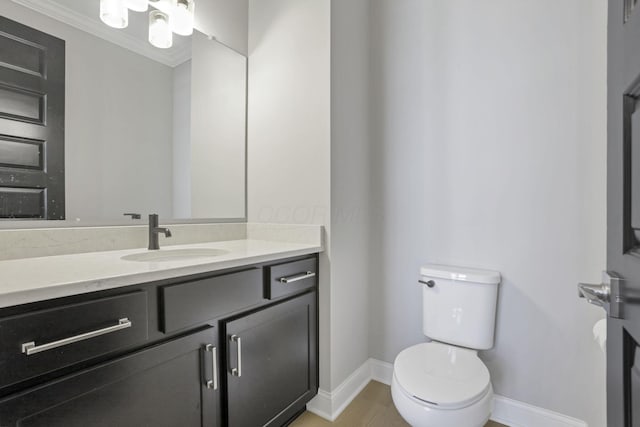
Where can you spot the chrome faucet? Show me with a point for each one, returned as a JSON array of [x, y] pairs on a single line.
[[154, 230]]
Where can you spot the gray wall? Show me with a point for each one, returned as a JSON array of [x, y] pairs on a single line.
[[298, 172], [351, 236], [218, 130], [450, 142], [182, 141], [489, 145], [289, 127], [226, 20]]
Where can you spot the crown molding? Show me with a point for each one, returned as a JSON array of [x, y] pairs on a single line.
[[95, 27]]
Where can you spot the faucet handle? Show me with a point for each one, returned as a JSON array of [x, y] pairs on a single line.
[[132, 215]]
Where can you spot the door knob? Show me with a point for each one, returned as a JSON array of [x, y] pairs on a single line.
[[594, 294], [605, 294]]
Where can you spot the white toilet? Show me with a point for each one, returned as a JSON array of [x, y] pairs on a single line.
[[443, 383]]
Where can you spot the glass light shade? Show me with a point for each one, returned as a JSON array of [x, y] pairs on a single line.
[[137, 5], [182, 17], [160, 34], [114, 13]]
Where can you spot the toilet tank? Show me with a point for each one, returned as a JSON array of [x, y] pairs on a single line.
[[459, 305]]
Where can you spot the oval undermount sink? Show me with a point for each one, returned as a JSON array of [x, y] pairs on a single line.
[[165, 255]]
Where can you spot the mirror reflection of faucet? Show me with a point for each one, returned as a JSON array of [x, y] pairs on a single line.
[[154, 230]]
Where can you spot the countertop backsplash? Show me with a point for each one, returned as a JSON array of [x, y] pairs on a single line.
[[30, 243]]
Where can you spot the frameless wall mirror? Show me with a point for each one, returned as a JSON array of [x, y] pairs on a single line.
[[145, 129]]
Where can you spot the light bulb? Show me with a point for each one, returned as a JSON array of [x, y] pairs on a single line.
[[182, 17], [160, 34], [137, 5], [114, 13]]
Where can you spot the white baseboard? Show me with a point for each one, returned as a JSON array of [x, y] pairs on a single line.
[[321, 406], [519, 414], [381, 371], [329, 405]]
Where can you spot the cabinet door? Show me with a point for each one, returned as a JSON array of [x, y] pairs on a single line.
[[272, 369], [165, 385]]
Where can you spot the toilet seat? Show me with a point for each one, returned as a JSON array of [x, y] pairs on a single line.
[[442, 376]]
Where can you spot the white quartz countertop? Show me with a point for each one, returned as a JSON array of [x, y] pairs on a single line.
[[37, 279]]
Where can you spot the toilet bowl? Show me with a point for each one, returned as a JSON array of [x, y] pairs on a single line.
[[443, 383], [437, 385]]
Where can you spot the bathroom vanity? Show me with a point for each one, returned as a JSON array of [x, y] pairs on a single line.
[[227, 343], [221, 328]]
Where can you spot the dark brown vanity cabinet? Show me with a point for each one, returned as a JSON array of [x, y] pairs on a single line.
[[37, 342], [271, 363], [164, 385], [233, 348]]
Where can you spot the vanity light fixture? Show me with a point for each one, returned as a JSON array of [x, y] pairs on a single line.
[[168, 17], [160, 34], [114, 13], [183, 15]]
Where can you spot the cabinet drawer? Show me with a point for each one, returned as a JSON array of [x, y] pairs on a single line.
[[291, 277], [191, 303], [160, 386], [35, 343]]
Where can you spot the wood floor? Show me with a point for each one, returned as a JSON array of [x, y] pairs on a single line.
[[373, 407]]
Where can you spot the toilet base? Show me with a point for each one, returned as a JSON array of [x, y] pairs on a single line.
[[420, 414]]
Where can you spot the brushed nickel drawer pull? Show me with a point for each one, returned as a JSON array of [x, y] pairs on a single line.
[[237, 372], [297, 277], [213, 383], [31, 348]]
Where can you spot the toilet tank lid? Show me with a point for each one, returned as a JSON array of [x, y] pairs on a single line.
[[462, 274]]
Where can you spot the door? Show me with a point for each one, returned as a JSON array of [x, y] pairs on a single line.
[[32, 85], [272, 363], [168, 385], [623, 214]]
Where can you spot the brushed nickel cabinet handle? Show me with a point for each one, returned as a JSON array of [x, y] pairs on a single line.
[[297, 277], [213, 383], [30, 348], [237, 372]]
